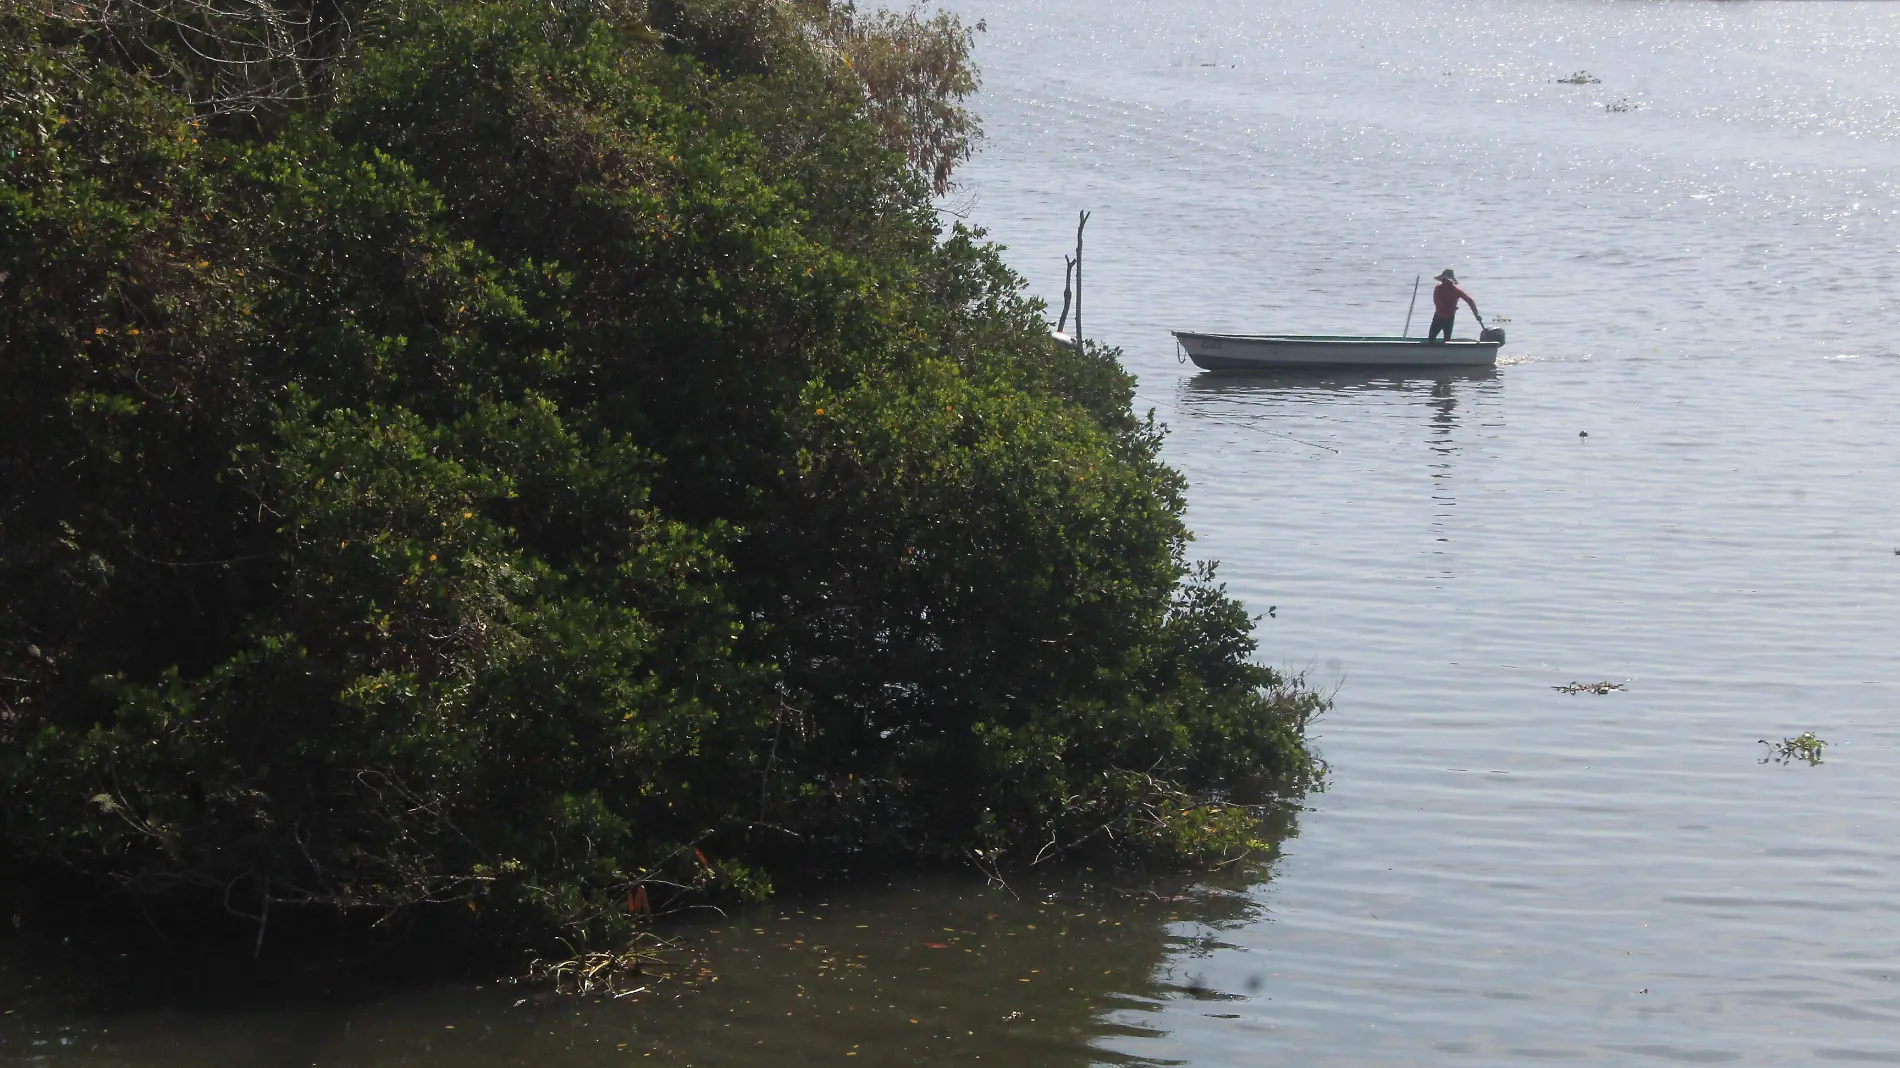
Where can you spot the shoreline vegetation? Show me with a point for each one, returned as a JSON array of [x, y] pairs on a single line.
[[485, 472]]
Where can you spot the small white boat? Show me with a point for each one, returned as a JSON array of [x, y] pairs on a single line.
[[1248, 352]]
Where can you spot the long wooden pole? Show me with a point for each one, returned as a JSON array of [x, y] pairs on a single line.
[[1082, 220], [1412, 306], [1068, 272]]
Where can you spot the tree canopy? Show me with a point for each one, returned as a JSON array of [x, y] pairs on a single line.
[[494, 457]]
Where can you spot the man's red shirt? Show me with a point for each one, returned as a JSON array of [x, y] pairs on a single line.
[[1446, 297]]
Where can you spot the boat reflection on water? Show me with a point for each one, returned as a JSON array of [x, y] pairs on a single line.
[[1305, 406], [1232, 396], [1332, 412], [1215, 384]]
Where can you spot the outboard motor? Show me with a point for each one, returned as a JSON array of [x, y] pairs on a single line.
[[1492, 333]]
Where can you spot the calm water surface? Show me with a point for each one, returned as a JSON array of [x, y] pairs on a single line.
[[1700, 260]]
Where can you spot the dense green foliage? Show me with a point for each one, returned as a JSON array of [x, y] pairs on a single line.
[[557, 449]]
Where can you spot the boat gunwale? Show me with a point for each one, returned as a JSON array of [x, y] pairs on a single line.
[[1334, 339]]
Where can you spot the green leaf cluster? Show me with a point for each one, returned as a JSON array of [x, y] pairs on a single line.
[[565, 457]]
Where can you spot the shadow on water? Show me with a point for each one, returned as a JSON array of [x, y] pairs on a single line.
[[922, 971]]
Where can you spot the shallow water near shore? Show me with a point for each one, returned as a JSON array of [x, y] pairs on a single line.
[[1684, 478], [917, 971]]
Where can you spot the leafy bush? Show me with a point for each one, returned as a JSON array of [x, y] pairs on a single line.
[[559, 454]]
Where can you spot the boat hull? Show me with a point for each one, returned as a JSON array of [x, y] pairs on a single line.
[[1255, 352]]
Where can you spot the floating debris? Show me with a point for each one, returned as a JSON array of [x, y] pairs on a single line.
[[1805, 747], [1589, 687], [1622, 104], [601, 973], [1582, 77]]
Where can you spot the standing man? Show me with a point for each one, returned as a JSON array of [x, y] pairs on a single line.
[[1445, 300]]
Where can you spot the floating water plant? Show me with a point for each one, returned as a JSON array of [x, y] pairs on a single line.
[[1589, 687], [1622, 104], [1582, 77], [1805, 747]]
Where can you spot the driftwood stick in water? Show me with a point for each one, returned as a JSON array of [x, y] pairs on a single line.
[[1083, 220]]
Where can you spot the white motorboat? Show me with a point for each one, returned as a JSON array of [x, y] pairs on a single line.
[[1249, 352]]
